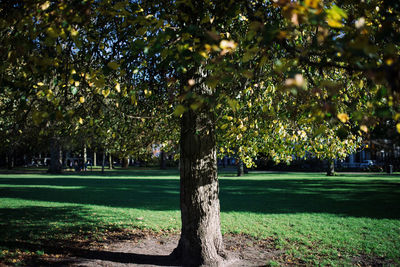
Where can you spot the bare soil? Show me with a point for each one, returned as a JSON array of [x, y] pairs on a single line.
[[142, 248], [137, 247]]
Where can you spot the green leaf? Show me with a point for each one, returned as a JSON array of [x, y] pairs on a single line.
[[179, 110], [113, 65], [74, 90]]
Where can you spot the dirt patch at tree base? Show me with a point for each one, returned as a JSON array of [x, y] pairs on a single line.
[[152, 249], [135, 247]]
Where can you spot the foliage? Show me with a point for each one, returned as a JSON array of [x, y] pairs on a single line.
[[286, 77]]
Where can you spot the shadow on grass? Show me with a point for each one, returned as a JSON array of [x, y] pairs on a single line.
[[359, 198], [61, 230], [78, 255], [43, 223]]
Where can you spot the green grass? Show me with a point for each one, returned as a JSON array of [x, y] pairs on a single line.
[[315, 219]]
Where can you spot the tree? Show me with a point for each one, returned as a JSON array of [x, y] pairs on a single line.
[[278, 72]]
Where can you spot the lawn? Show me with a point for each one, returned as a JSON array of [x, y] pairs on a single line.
[[314, 219]]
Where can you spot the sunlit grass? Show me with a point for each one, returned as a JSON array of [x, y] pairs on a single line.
[[315, 219]]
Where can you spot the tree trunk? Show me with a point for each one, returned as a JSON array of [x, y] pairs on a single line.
[[331, 168], [103, 162], [163, 164], [84, 154], [94, 158], [110, 165], [201, 239], [125, 162], [55, 160], [10, 160], [240, 168]]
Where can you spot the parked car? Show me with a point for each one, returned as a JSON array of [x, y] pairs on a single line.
[[366, 164]]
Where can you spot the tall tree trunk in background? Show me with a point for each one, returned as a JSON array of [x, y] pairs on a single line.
[[163, 165], [65, 162], [240, 168], [103, 162], [84, 154], [110, 165], [201, 239], [94, 158], [55, 160], [60, 152], [10, 159], [331, 168], [125, 162]]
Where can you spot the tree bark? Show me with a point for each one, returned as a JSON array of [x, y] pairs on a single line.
[[84, 154], [331, 168], [246, 170], [201, 239], [110, 165], [55, 160], [163, 164], [103, 162], [125, 162], [240, 168], [10, 160], [94, 158]]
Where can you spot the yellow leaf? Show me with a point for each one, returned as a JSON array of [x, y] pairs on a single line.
[[45, 5], [398, 127], [118, 87], [227, 45], [147, 92], [343, 117], [203, 54], [74, 32], [334, 23], [80, 120], [389, 61], [105, 93], [364, 128], [334, 16], [82, 99], [312, 3]]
